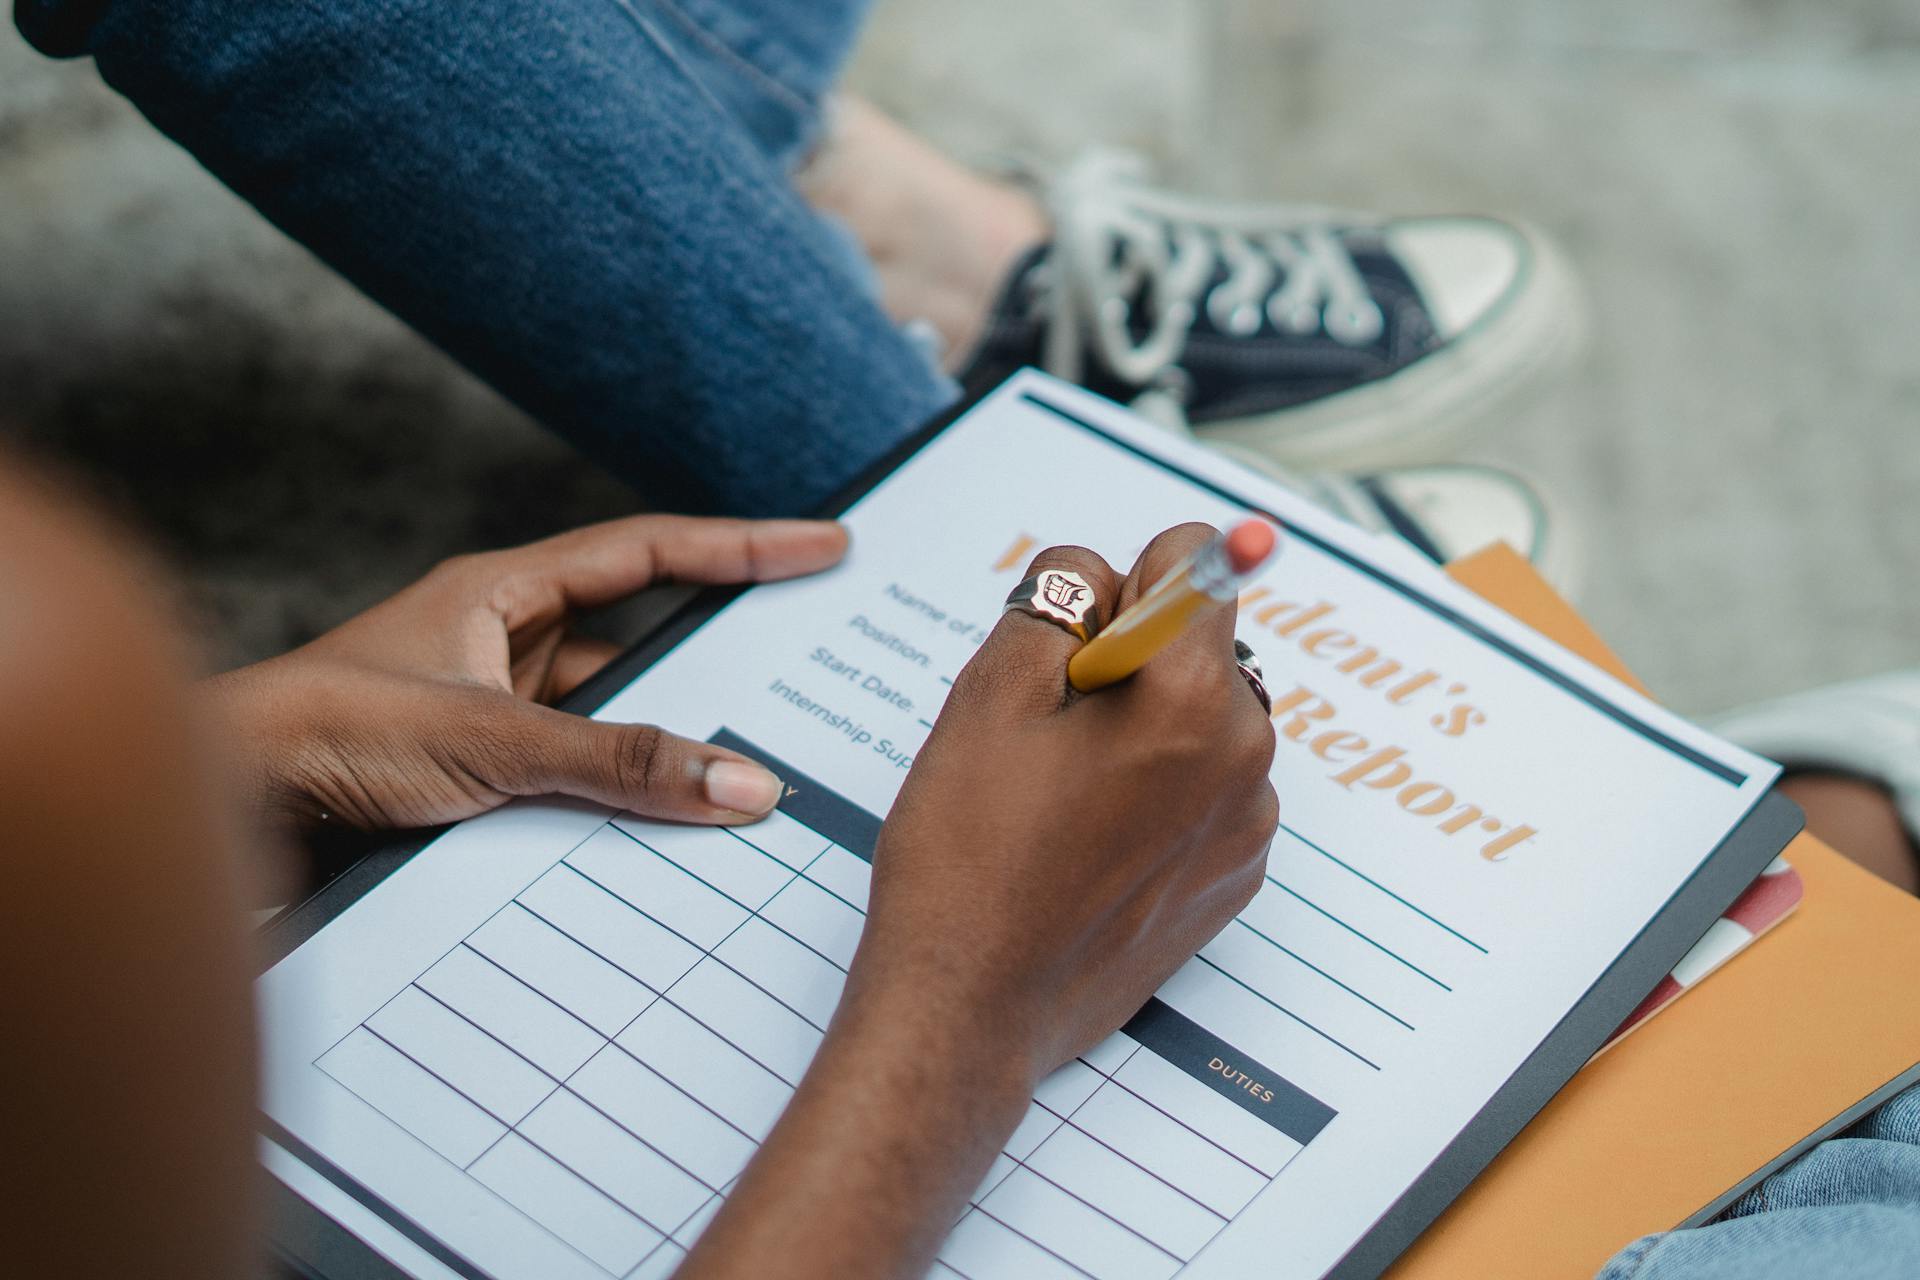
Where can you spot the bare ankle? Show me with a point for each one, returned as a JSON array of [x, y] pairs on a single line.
[[1859, 819], [942, 238]]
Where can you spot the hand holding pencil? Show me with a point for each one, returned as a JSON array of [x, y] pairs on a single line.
[[1212, 576], [1077, 848], [1050, 861], [1207, 579]]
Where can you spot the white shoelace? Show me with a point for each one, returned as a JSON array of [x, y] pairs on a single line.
[[1117, 240]]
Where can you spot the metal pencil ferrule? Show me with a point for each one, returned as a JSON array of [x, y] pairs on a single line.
[[1212, 574]]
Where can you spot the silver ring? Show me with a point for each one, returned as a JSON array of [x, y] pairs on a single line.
[[1061, 596], [1243, 658]]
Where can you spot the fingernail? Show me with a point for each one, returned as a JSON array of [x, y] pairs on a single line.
[[742, 787]]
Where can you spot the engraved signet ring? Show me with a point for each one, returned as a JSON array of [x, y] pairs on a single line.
[[1060, 596]]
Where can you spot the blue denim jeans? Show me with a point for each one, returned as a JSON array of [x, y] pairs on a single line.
[[586, 202], [1850, 1207]]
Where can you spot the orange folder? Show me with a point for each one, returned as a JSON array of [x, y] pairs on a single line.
[[1814, 1017]]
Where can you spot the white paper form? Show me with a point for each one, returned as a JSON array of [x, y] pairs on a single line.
[[548, 1044]]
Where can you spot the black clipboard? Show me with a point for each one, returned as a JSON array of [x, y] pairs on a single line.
[[309, 1243]]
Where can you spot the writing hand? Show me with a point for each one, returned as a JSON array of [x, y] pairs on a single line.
[[1050, 861]]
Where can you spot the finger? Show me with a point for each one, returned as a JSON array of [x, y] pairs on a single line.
[[1023, 663], [1206, 644], [578, 659], [536, 750], [1198, 667], [606, 562], [1161, 557]]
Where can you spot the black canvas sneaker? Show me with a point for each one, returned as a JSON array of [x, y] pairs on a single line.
[[1311, 337]]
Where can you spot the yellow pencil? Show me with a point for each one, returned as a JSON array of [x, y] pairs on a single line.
[[1212, 575]]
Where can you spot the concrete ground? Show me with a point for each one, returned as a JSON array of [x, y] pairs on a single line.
[[1734, 178]]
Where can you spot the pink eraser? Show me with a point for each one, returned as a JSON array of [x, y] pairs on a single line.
[[1249, 544]]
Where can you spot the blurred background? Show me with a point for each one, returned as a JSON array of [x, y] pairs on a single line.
[[1737, 180]]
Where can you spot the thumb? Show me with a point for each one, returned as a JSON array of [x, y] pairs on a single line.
[[635, 766]]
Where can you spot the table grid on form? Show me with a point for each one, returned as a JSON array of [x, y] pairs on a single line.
[[607, 1050]]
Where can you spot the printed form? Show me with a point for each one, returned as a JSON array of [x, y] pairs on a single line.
[[547, 1045]]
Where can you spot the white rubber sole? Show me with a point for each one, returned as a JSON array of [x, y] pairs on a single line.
[[1448, 501], [1558, 552], [1427, 411], [1458, 519], [1561, 557]]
